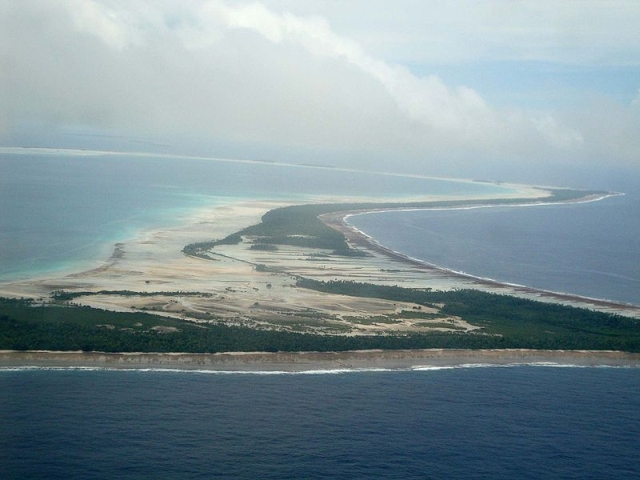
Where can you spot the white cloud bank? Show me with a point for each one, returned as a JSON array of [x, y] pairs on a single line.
[[572, 32], [245, 73]]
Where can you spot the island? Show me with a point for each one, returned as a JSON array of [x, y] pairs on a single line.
[[296, 288]]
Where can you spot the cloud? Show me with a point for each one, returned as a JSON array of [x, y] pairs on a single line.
[[574, 32], [425, 100], [96, 19], [459, 112], [243, 73]]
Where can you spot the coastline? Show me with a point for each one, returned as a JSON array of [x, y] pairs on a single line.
[[153, 257], [315, 362], [339, 221], [154, 252], [226, 286]]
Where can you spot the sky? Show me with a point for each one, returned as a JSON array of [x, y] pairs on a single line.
[[503, 89]]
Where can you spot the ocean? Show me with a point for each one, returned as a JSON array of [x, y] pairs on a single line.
[[488, 422], [66, 211], [588, 249]]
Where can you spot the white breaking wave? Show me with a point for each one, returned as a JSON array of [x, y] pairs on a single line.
[[337, 371]]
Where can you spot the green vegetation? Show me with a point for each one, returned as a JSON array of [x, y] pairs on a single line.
[[25, 326], [300, 226], [507, 322], [198, 249], [264, 246], [450, 326], [62, 296]]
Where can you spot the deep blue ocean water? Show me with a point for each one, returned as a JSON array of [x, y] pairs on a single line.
[[490, 422], [590, 249]]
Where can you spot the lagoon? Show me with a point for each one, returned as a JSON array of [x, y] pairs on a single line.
[[62, 211]]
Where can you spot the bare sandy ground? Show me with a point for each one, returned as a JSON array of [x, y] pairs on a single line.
[[233, 287]]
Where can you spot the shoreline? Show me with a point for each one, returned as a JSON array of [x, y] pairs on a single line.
[[153, 251], [228, 286], [201, 223], [109, 251], [339, 221], [316, 362]]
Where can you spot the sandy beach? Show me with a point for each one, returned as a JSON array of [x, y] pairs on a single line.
[[316, 361]]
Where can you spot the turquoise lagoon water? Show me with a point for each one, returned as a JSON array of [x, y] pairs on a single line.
[[66, 211]]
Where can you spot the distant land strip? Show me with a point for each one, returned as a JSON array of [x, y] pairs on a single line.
[[300, 362]]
